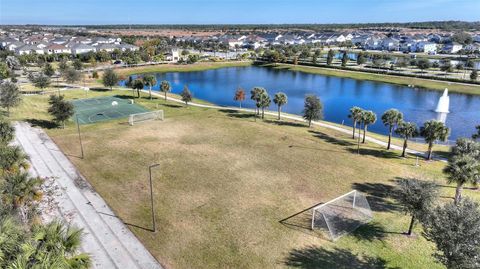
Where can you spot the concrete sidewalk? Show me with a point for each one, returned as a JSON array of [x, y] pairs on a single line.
[[106, 238]]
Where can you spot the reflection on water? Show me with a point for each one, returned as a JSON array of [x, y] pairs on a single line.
[[338, 95]]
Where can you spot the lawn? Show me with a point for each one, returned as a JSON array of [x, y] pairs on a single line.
[[232, 192]]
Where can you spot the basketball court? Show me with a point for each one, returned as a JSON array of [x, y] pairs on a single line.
[[100, 109]]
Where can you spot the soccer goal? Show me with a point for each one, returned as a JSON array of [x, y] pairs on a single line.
[[342, 215], [145, 116]]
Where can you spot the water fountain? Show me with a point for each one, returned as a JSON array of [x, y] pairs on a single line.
[[443, 107]]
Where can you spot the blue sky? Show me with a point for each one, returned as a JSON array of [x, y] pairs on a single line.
[[233, 11]]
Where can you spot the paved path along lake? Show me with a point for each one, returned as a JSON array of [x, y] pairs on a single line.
[[337, 94]]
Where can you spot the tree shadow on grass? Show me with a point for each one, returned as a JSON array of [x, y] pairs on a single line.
[[99, 89], [45, 124], [379, 153], [378, 196], [331, 139], [287, 123], [123, 96], [171, 105], [313, 257]]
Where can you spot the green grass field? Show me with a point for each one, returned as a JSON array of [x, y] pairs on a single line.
[[234, 193]]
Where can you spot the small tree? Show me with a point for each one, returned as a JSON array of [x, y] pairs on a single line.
[[7, 132], [406, 130], [62, 66], [71, 75], [9, 96], [186, 95], [239, 96], [391, 118], [455, 230], [138, 85], [330, 56], [48, 70], [423, 64], [345, 59], [477, 134], [95, 74], [361, 59], [417, 197], [165, 88], [280, 99], [150, 81], [312, 109], [110, 78], [60, 109], [356, 116], [368, 117], [463, 165], [433, 130], [77, 64], [474, 75], [40, 81]]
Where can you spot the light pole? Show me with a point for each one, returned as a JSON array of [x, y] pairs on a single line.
[[79, 135], [151, 195]]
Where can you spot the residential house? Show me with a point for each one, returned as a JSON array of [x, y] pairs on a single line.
[[427, 47], [82, 49], [452, 47], [125, 47], [390, 44], [28, 49], [57, 49]]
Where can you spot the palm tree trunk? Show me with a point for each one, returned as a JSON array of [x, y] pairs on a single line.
[[165, 96], [263, 113], [404, 147], [354, 126], [364, 132], [279, 112], [429, 155], [412, 222], [150, 92], [309, 123], [240, 104], [389, 137], [458, 193]]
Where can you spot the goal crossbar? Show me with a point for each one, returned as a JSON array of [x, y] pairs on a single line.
[[145, 116], [342, 214]]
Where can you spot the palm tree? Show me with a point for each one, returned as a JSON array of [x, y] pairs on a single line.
[[368, 117], [391, 118], [255, 95], [54, 245], [433, 130], [464, 165], [280, 99], [406, 130], [12, 159], [356, 116], [263, 101], [7, 132], [149, 81], [165, 88], [19, 191]]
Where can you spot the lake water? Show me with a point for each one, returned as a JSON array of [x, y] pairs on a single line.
[[337, 94]]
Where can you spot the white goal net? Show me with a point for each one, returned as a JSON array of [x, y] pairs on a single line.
[[342, 215], [146, 116]]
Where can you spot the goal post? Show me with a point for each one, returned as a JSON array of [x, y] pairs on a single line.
[[145, 116], [342, 215]]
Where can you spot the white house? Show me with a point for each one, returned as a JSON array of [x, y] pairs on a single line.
[[28, 49], [427, 47], [57, 49], [15, 45], [82, 49], [124, 47], [452, 48], [173, 55]]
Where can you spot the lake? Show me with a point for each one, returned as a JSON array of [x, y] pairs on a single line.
[[337, 94]]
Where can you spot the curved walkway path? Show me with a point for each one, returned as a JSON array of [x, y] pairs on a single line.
[[106, 238]]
